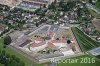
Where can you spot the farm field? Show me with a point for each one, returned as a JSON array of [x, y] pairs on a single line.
[[86, 43]]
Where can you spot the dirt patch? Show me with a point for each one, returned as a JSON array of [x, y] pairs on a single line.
[[96, 24], [10, 3]]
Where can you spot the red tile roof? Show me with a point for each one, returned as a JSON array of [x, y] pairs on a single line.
[[51, 45], [59, 41], [38, 44], [51, 34], [37, 38]]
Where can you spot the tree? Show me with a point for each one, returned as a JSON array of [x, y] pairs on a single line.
[[70, 4], [9, 60], [17, 59], [37, 24], [4, 46], [61, 3], [21, 64], [44, 6], [68, 41], [52, 6], [90, 1], [7, 40], [57, 38]]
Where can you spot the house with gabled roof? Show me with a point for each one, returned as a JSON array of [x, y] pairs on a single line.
[[35, 47], [37, 39], [3, 28]]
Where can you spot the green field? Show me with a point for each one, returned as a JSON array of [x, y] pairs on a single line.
[[94, 14], [12, 52], [97, 5], [1, 65], [91, 61], [44, 64], [86, 43]]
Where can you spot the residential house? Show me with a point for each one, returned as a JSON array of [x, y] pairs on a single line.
[[3, 28]]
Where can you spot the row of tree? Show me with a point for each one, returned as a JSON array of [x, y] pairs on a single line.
[[64, 6], [7, 40], [9, 60]]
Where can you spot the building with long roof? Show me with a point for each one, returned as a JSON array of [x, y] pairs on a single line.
[[33, 4]]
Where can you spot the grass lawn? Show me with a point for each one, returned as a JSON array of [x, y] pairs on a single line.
[[87, 1], [24, 59], [95, 62], [43, 64], [97, 4], [1, 65], [94, 14], [12, 52], [85, 42]]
